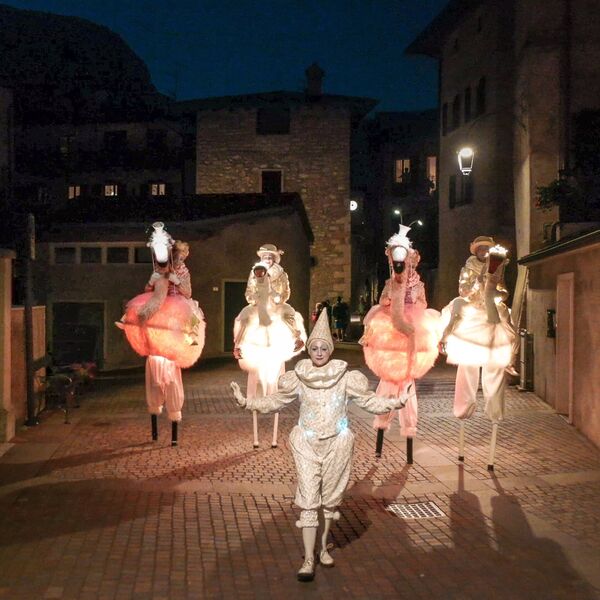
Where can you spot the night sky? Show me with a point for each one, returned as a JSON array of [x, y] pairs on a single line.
[[220, 47]]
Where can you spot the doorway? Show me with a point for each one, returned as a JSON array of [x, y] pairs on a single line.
[[565, 285], [78, 332]]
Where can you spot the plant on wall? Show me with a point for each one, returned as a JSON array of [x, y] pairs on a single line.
[[563, 191]]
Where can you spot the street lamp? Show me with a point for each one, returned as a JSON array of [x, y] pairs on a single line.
[[466, 156]]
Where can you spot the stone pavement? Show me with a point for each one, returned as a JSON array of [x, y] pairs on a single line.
[[95, 510]]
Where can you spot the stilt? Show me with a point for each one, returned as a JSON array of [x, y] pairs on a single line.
[[409, 450], [255, 428], [154, 421], [493, 447], [379, 443], [275, 429], [174, 433], [461, 442]]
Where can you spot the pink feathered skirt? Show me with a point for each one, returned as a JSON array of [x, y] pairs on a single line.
[[393, 356], [176, 331]]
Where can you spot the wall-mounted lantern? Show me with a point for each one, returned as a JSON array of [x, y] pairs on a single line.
[[466, 156]]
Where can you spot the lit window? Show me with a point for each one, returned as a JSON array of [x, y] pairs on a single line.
[[74, 191], [158, 189], [111, 189], [402, 173], [432, 171]]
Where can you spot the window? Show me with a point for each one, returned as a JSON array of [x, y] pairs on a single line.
[[273, 120], [402, 170], [456, 112], [158, 188], [142, 254], [111, 189], [466, 189], [91, 255], [66, 144], [117, 254], [271, 182], [445, 119], [115, 141], [74, 191], [452, 191], [64, 256], [432, 172], [156, 138], [480, 108], [467, 104]]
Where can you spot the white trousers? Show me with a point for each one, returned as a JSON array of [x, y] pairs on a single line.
[[323, 469], [492, 384], [164, 387]]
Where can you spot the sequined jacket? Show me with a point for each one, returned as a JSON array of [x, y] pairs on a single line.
[[324, 393], [471, 282], [279, 282]]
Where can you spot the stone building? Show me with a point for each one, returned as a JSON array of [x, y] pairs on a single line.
[[60, 164], [287, 142], [91, 261], [397, 172], [535, 128], [472, 41]]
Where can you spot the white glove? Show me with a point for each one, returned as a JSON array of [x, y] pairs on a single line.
[[154, 277], [174, 279], [237, 394]]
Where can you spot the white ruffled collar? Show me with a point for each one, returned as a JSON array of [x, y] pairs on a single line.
[[320, 377]]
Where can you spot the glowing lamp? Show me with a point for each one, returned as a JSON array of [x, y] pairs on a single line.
[[466, 156], [353, 205], [397, 211]]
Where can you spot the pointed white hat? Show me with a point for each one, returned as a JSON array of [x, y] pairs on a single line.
[[321, 331]]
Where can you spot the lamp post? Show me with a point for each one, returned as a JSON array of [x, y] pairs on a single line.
[[466, 156]]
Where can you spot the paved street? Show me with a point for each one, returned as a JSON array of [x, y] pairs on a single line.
[[94, 509]]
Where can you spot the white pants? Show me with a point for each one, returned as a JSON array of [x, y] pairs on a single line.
[[492, 384], [323, 469], [164, 387]]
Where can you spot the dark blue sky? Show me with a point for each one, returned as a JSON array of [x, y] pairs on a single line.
[[198, 48]]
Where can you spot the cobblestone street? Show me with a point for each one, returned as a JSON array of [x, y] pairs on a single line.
[[94, 509]]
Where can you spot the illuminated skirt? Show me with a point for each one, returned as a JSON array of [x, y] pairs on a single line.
[[393, 356], [476, 342], [176, 331]]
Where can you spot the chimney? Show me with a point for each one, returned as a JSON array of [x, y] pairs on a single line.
[[314, 80]]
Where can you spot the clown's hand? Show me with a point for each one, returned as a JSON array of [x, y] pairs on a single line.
[[154, 278], [237, 394], [174, 279]]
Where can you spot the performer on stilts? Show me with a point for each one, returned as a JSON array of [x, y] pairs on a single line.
[[401, 336], [479, 336], [268, 331], [321, 442], [167, 326]]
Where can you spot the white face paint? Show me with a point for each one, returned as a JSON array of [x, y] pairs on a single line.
[[319, 352], [399, 254], [267, 258]]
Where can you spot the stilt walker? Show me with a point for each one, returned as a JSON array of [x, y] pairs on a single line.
[[321, 442], [401, 337], [479, 337], [167, 326], [268, 331]]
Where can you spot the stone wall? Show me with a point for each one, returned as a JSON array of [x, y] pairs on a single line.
[[315, 162], [478, 47]]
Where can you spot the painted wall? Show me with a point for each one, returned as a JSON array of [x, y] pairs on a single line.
[[586, 365]]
